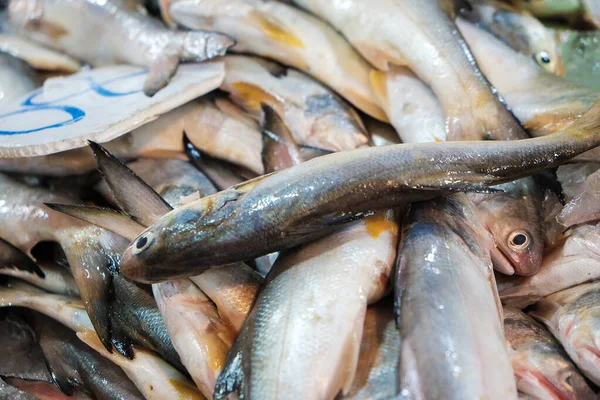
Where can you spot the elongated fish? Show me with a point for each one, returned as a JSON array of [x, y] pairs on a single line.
[[445, 278], [519, 29], [573, 316], [71, 26], [299, 340], [290, 36], [542, 367], [307, 201], [377, 370], [575, 260], [421, 35], [50, 277], [316, 116], [543, 102], [155, 378], [73, 364]]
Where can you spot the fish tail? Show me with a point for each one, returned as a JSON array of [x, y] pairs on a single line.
[[13, 258]]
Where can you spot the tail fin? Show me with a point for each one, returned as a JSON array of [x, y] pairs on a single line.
[[133, 195], [12, 257], [280, 150], [200, 45]]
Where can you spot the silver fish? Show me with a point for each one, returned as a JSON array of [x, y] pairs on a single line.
[[299, 341], [316, 116], [16, 79], [69, 26], [573, 317], [377, 370], [272, 212], [542, 368], [290, 36], [445, 278], [421, 35], [543, 102], [519, 29]]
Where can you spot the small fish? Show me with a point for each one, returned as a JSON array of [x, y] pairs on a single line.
[[575, 260], [290, 36], [50, 277], [447, 307], [155, 378], [377, 368], [543, 102], [70, 26], [316, 116], [573, 317], [290, 207], [74, 365], [583, 206], [519, 29], [422, 36], [542, 368], [513, 217], [299, 341]]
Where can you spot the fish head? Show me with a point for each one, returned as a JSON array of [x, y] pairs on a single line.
[[513, 218], [168, 247], [549, 59]]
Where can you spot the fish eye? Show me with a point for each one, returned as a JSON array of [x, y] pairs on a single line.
[[542, 58], [143, 243], [519, 240]]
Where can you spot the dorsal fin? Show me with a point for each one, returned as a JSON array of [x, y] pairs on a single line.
[[133, 195], [12, 257]]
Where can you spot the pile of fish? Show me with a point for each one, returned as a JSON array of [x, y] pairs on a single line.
[[384, 199]]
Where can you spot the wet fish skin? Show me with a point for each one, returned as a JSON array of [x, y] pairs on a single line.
[[583, 206], [297, 341], [434, 50], [573, 316], [377, 369], [442, 249], [519, 29], [316, 116], [575, 260], [542, 368], [543, 102], [73, 364], [199, 335], [513, 217], [272, 213], [68, 26], [286, 34]]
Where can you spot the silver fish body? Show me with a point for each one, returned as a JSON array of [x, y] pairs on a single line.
[[542, 368], [445, 278], [307, 201]]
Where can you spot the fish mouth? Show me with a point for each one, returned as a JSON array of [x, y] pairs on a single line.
[[501, 262]]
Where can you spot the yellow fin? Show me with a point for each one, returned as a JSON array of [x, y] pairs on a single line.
[[275, 32]]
